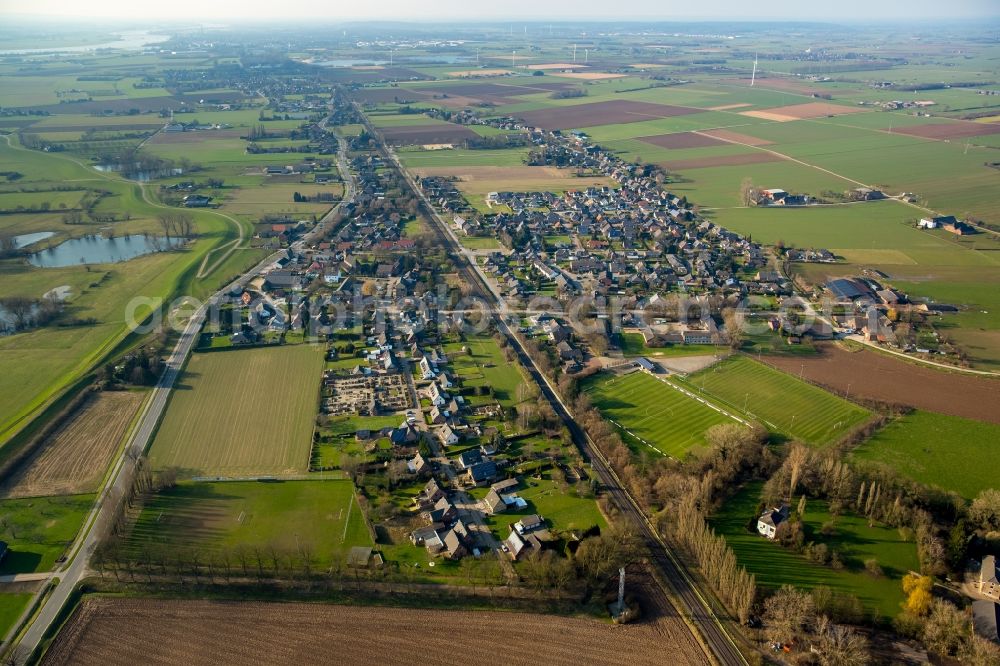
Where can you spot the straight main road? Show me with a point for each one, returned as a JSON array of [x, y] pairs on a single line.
[[695, 606], [123, 474]]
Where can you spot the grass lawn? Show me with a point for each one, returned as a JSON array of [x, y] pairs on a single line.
[[38, 530], [214, 518], [480, 242], [563, 510], [852, 538], [485, 366], [946, 451], [650, 413], [11, 607], [784, 403], [242, 412]]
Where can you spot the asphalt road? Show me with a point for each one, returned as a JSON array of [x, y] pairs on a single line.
[[123, 474], [695, 606]]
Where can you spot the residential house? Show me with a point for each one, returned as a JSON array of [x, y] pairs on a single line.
[[768, 522]]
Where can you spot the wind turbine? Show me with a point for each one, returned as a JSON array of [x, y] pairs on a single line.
[[574, 53], [753, 75]]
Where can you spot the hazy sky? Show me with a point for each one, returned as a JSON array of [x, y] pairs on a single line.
[[459, 10]]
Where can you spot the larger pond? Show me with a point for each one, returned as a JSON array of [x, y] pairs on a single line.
[[101, 250]]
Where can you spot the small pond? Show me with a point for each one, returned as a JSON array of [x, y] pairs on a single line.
[[24, 240]]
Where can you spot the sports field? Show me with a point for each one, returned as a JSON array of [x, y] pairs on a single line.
[[852, 538], [322, 517], [784, 403], [945, 451], [242, 413], [651, 413]]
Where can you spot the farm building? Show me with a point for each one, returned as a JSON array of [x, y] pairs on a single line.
[[986, 619], [768, 522], [988, 584]]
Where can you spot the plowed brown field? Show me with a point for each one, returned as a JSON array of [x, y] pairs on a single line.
[[107, 632], [421, 134], [74, 459], [876, 376]]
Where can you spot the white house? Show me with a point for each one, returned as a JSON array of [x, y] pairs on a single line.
[[447, 436], [426, 369], [927, 223], [767, 524]]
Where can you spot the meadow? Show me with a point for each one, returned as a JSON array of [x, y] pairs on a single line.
[[485, 366], [12, 604], [786, 404], [852, 538], [948, 452], [322, 518], [241, 413], [651, 414], [39, 530]]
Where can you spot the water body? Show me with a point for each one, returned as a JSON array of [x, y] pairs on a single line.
[[343, 62], [398, 60], [133, 40], [100, 250], [24, 240], [141, 176]]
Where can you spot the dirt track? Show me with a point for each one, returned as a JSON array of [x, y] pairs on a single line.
[[876, 376], [106, 632]]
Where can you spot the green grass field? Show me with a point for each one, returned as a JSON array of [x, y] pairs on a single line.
[[945, 451], [213, 518], [852, 538], [11, 607], [563, 510], [784, 403], [39, 530], [485, 366], [240, 413], [650, 413]]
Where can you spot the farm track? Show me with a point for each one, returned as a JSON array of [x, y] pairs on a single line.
[[694, 605], [107, 632], [75, 457]]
